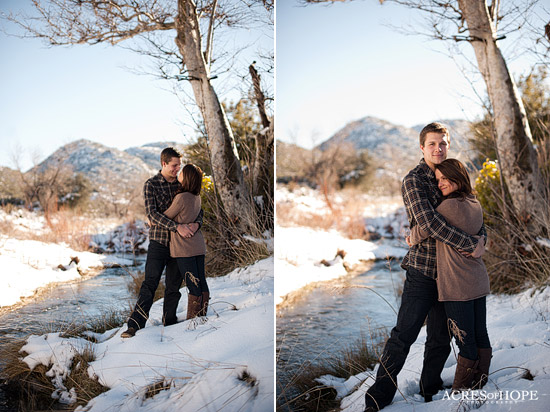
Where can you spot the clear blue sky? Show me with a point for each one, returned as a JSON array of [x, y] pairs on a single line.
[[337, 63], [54, 95]]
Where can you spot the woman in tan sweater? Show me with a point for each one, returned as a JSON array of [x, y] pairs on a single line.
[[189, 252], [462, 281]]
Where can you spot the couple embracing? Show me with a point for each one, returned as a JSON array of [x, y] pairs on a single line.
[[173, 207], [446, 281]]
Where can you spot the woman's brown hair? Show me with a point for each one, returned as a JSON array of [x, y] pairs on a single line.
[[191, 179], [455, 171]]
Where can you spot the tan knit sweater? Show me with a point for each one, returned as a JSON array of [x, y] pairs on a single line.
[[459, 278], [184, 209]]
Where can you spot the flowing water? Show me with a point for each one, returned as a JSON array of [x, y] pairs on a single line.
[[328, 319], [67, 303]]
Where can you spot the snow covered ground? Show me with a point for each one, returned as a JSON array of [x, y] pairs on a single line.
[[27, 265], [519, 377], [305, 255], [223, 363]]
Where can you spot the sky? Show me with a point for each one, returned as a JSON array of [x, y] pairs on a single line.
[[341, 62], [54, 95]]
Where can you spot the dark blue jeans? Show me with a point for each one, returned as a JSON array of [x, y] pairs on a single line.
[[471, 318], [158, 258], [192, 270], [418, 302]]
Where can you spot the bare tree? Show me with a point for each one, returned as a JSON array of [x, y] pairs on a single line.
[[263, 162], [479, 23], [70, 22], [43, 184]]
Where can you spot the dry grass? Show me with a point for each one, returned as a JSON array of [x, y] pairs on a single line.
[[63, 226], [32, 390], [228, 247], [357, 357], [157, 387], [515, 257], [346, 216], [134, 285]]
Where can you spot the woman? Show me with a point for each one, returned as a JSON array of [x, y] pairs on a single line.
[[462, 281], [189, 252]]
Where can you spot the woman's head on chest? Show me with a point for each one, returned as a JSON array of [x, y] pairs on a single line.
[[453, 180], [190, 178]]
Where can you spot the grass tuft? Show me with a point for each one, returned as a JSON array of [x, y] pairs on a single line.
[[357, 357], [247, 378], [157, 387]]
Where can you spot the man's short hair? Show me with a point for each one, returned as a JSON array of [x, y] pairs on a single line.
[[167, 154], [434, 127]]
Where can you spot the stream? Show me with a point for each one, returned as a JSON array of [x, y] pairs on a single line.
[[66, 303], [328, 319]]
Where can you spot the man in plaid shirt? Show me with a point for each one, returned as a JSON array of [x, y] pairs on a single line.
[[159, 191], [419, 299]]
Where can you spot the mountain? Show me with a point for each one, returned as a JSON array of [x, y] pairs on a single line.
[[396, 148], [102, 165], [112, 172], [150, 152]]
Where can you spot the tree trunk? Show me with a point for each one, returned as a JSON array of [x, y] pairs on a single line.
[[226, 167], [263, 163], [517, 155]]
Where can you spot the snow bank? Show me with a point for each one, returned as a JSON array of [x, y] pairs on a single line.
[[29, 264], [224, 363], [300, 252], [520, 335]]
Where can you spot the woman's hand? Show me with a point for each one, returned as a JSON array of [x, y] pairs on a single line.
[[184, 231]]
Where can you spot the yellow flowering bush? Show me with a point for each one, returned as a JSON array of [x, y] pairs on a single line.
[[487, 186], [207, 184]]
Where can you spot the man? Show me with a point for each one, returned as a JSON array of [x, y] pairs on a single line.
[[159, 191], [419, 299]]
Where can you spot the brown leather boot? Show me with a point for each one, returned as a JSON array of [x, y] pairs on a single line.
[[465, 369], [204, 303], [193, 306], [482, 373]]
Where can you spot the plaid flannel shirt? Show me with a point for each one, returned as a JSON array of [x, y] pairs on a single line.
[[158, 194], [421, 196]]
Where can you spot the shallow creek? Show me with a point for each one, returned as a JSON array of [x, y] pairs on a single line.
[[325, 320]]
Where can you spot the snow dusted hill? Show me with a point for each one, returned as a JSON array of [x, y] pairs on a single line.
[[150, 153], [99, 163], [104, 165], [396, 146]]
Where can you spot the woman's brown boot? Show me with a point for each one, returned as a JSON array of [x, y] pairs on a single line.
[[193, 306], [204, 303], [464, 374], [482, 372]]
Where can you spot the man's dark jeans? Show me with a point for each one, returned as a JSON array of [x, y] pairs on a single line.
[[419, 300], [470, 317], [158, 257]]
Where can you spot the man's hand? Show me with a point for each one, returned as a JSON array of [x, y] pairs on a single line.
[[479, 250], [185, 231], [408, 240]]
